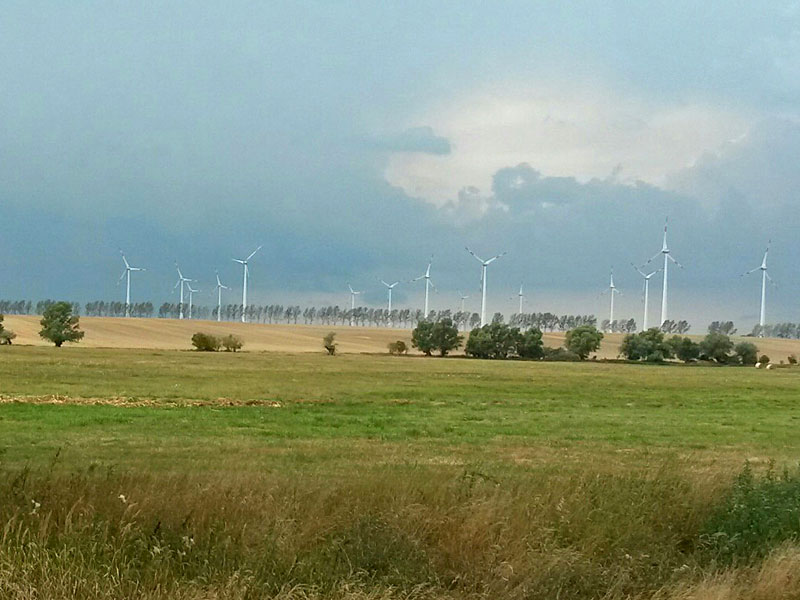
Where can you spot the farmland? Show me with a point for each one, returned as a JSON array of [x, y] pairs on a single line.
[[267, 474]]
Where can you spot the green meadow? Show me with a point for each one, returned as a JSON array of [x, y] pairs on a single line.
[[166, 474]]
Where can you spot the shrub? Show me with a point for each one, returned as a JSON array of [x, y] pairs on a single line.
[[232, 343], [746, 352], [329, 344], [648, 345], [398, 347], [205, 342], [716, 346], [792, 359], [560, 355], [59, 325], [584, 340], [684, 348], [756, 516], [764, 360]]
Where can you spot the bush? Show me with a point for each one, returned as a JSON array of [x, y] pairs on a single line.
[[757, 516], [5, 335], [792, 359], [746, 352], [764, 360], [493, 341], [59, 325], [329, 344], [716, 346], [398, 347], [205, 342], [648, 345], [560, 355], [232, 343], [684, 348], [584, 340]]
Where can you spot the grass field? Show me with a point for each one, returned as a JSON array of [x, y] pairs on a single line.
[[166, 474]]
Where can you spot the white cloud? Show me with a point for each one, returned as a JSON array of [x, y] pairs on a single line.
[[561, 130]]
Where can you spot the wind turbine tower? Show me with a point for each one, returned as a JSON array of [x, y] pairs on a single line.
[[646, 277], [192, 292], [428, 283], [521, 299], [246, 272], [484, 264], [220, 287], [390, 287], [665, 251], [127, 275], [612, 291], [764, 277], [181, 281]]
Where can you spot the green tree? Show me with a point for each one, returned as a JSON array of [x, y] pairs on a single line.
[[648, 345], [329, 344], [685, 348], [445, 336], [530, 344], [6, 335], [747, 352], [584, 340], [205, 342], [717, 347], [496, 340], [422, 337], [59, 325], [232, 343]]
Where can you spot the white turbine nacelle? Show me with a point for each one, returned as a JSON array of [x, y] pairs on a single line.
[[646, 277], [428, 284], [764, 278], [219, 288], [127, 275], [246, 272], [665, 251], [484, 264]]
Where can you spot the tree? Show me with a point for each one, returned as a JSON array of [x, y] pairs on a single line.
[[583, 340], [422, 337], [6, 335], [530, 344], [232, 343], [684, 348], [205, 342], [59, 325], [648, 345], [716, 346], [747, 352], [445, 336], [329, 344], [493, 341]]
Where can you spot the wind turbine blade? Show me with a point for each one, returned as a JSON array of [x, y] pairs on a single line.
[[121, 277], [639, 271], [655, 256], [478, 258], [253, 253], [349, 287], [241, 262], [125, 260], [417, 279], [384, 283], [669, 256], [750, 271], [494, 258]]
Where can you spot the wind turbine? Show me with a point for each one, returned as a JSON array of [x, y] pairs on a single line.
[[462, 298], [220, 287], [612, 290], [191, 293], [390, 286], [127, 274], [428, 283], [646, 277], [353, 295], [484, 264], [667, 257], [180, 282], [764, 277], [246, 271]]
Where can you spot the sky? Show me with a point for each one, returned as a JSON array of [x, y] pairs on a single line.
[[356, 140]]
